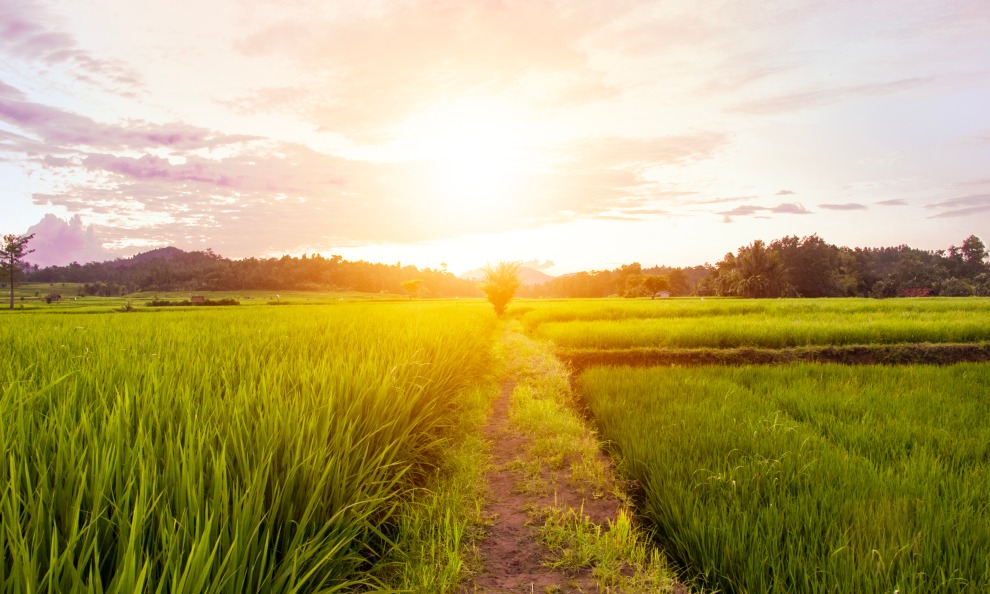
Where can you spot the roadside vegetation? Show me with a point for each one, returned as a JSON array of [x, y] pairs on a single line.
[[563, 452]]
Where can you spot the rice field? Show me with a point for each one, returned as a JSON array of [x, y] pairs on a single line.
[[772, 324], [810, 478], [231, 450], [796, 477]]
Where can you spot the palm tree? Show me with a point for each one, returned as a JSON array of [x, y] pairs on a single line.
[[760, 272]]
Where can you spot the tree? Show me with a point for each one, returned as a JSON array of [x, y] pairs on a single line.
[[412, 286], [13, 251], [500, 284], [655, 283], [760, 272]]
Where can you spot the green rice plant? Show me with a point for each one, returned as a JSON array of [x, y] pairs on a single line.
[[810, 478], [772, 330], [536, 312], [261, 450]]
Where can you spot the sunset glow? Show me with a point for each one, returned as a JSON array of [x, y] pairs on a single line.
[[473, 159], [580, 134]]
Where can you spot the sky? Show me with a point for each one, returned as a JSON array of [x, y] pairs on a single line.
[[571, 135]]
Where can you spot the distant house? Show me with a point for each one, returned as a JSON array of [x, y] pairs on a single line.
[[197, 299], [662, 294], [53, 297], [914, 292]]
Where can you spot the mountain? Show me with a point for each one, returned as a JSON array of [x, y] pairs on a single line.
[[528, 276]]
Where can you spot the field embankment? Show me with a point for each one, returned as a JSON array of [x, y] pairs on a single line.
[[870, 354]]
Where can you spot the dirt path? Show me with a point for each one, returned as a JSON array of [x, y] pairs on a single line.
[[511, 554]]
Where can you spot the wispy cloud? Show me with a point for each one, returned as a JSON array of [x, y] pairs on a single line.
[[790, 208], [58, 128], [369, 68], [846, 206], [961, 206], [892, 202], [818, 97], [754, 210], [26, 35]]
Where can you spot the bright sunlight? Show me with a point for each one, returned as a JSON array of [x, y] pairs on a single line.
[[473, 154]]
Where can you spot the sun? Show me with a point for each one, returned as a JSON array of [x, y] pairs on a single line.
[[472, 156]]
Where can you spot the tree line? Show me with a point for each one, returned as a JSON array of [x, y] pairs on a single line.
[[786, 267], [172, 269], [812, 267]]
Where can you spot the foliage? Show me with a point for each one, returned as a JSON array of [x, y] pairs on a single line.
[[500, 284], [810, 267], [227, 450], [188, 303], [605, 283], [12, 254], [413, 287], [171, 269]]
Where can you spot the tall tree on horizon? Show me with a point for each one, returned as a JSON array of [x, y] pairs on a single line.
[[13, 251]]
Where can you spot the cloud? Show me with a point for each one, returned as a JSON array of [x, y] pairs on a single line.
[[57, 242], [183, 185], [667, 150], [369, 68], [846, 206], [784, 193], [538, 265], [789, 208], [58, 128], [11, 92], [892, 202], [27, 34], [820, 97], [754, 210], [961, 206]]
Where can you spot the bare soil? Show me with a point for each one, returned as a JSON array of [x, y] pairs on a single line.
[[876, 354], [512, 557]]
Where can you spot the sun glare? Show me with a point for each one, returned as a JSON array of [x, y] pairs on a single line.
[[472, 158]]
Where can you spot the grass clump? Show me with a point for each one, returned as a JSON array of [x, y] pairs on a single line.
[[620, 556]]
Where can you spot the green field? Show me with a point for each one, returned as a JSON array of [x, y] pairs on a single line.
[[254, 448], [224, 449], [795, 477], [769, 324]]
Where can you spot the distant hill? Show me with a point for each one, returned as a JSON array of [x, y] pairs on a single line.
[[528, 276], [165, 253]]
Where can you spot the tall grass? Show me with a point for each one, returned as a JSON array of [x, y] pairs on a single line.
[[810, 478], [222, 451]]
